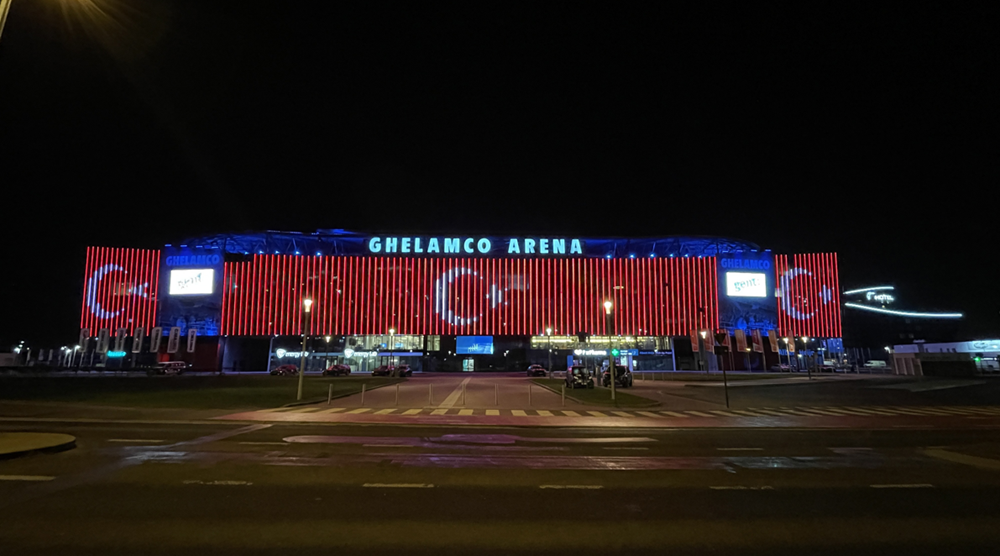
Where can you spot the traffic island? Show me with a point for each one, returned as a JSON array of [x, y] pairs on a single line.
[[16, 444]]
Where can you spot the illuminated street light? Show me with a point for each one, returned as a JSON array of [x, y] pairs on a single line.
[[805, 346], [548, 332], [307, 305], [392, 332]]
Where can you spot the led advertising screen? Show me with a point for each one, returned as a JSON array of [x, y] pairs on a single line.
[[192, 281], [474, 345], [746, 284]]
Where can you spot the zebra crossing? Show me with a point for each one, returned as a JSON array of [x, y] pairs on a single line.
[[763, 412]]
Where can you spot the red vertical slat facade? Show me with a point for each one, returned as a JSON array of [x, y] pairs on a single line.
[[119, 290]]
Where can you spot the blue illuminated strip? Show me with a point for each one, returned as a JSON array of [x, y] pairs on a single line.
[[905, 313], [874, 289]]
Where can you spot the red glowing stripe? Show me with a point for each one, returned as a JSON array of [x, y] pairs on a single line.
[[325, 272], [273, 324], [86, 290], [127, 316], [137, 288], [224, 326]]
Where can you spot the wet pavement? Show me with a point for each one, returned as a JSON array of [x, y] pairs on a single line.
[[307, 488]]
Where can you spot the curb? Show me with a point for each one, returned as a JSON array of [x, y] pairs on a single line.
[[68, 442], [344, 395]]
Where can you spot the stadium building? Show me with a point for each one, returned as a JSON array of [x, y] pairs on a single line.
[[238, 302]]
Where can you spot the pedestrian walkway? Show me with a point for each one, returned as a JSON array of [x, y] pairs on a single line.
[[321, 413]]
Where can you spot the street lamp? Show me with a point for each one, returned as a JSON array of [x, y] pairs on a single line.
[[548, 333], [788, 354], [392, 332], [610, 324], [805, 345], [307, 305], [704, 359]]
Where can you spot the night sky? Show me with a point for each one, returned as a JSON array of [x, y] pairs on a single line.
[[801, 128]]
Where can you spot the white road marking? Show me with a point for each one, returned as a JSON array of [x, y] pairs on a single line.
[[136, 440], [700, 414], [412, 411], [223, 483], [675, 414], [452, 398], [25, 478], [398, 485], [597, 414], [439, 412], [543, 413], [580, 487], [911, 485], [359, 410], [739, 449], [741, 487], [518, 413], [492, 412], [465, 412], [384, 411], [265, 443]]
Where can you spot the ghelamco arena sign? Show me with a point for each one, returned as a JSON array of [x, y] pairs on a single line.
[[474, 245]]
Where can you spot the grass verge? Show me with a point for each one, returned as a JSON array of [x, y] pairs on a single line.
[[183, 392], [714, 376], [596, 396]]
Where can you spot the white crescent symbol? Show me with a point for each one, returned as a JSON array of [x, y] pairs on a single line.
[[93, 283], [446, 278], [786, 300]]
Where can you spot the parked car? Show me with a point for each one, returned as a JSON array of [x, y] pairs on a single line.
[[579, 376], [387, 370], [536, 370], [337, 370], [168, 368], [286, 370], [623, 377], [783, 368]]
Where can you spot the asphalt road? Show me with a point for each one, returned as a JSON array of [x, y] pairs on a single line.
[[312, 489]]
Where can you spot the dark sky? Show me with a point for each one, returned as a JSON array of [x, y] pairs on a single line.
[[802, 128]]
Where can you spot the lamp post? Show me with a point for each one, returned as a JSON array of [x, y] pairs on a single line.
[[392, 332], [548, 334], [326, 358], [805, 339], [307, 304], [748, 358], [704, 357], [610, 322], [788, 354]]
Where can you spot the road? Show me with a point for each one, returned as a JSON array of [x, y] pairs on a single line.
[[237, 488]]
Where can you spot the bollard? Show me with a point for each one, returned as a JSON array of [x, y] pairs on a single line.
[[529, 394], [329, 395], [564, 394], [397, 394], [362, 395], [496, 394], [463, 393], [429, 395]]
